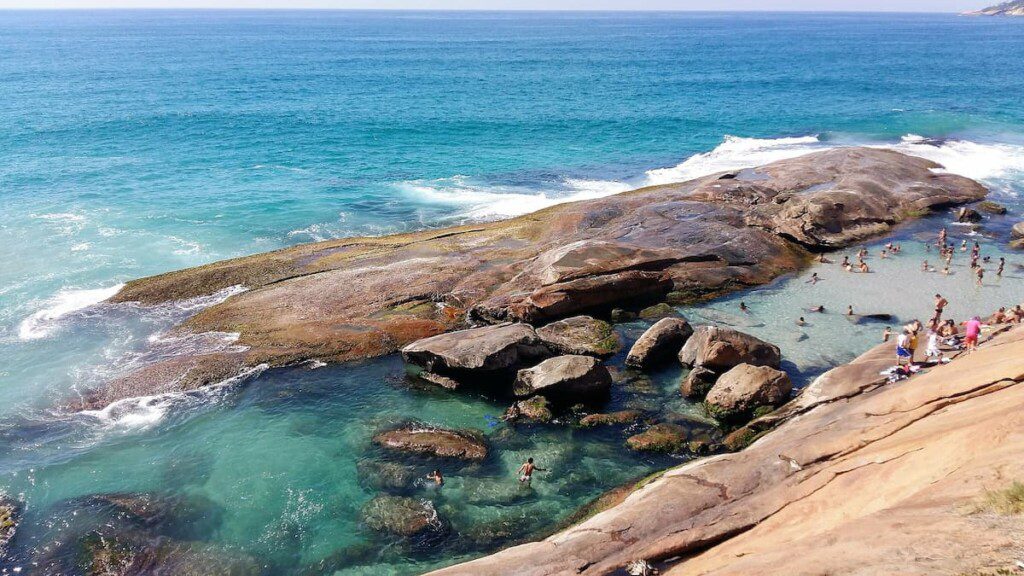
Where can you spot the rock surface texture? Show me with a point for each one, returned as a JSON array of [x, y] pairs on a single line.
[[363, 297], [565, 379], [581, 335], [720, 349], [859, 477], [744, 389], [437, 442], [662, 340]]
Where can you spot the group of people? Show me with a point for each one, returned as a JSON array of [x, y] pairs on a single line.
[[525, 473], [946, 251]]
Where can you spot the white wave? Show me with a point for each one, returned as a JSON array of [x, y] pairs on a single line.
[[43, 322], [967, 158], [490, 202], [81, 247], [735, 153], [144, 411]]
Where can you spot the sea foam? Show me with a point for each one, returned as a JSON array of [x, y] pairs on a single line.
[[45, 321]]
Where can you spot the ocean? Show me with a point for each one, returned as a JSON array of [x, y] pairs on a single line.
[[138, 142]]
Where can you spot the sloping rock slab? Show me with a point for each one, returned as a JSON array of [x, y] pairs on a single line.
[[581, 335], [477, 352]]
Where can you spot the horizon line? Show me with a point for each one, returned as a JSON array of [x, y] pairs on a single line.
[[477, 10]]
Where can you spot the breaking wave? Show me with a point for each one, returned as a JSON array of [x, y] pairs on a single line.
[[46, 321]]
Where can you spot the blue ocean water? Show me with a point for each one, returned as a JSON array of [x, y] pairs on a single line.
[[139, 142]]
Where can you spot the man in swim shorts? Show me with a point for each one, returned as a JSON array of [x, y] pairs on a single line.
[[527, 469]]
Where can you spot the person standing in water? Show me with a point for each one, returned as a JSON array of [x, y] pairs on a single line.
[[526, 471], [436, 477], [980, 273], [1002, 264], [849, 310]]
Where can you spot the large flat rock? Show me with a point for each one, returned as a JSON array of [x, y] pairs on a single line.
[[866, 478], [363, 297]]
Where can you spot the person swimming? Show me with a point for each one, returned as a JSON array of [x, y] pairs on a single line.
[[743, 307], [849, 310], [801, 322], [819, 308], [436, 477]]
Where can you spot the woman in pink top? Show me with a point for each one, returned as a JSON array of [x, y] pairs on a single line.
[[972, 328]]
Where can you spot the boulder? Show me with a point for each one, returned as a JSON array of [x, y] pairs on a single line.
[[9, 513], [581, 335], [434, 442], [535, 409], [401, 516], [565, 379], [476, 353], [659, 438], [1018, 230], [386, 475], [741, 391], [991, 207], [660, 341], [719, 349], [134, 554], [698, 383], [658, 311], [620, 418], [966, 215], [619, 316]]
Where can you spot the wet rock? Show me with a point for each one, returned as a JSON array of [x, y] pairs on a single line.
[[719, 349], [991, 207], [662, 340], [581, 335], [620, 316], [1018, 230], [620, 418], [9, 517], [386, 475], [565, 380], [184, 516], [859, 319], [140, 555], [968, 215], [659, 438], [743, 390], [477, 353], [535, 409], [698, 383], [401, 516], [434, 442], [658, 311], [496, 492]]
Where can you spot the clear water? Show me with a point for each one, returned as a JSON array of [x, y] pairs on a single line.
[[140, 142]]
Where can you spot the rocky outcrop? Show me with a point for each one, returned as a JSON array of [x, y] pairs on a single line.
[[581, 335], [663, 437], [719, 349], [746, 389], [433, 441], [991, 207], [9, 513], [536, 409], [662, 340], [1018, 230], [477, 354], [363, 297], [620, 418], [386, 475], [870, 478], [565, 380], [1012, 8], [401, 516]]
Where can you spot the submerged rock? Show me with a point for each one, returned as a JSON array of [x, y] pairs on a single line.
[[581, 335], [662, 340], [386, 475], [658, 311], [565, 380], [659, 438], [435, 442], [476, 353], [620, 418], [968, 215], [991, 207], [1018, 230], [740, 391], [719, 349], [402, 516]]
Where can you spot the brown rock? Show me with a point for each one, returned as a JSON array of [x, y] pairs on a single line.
[[581, 335], [659, 438], [565, 379], [697, 383], [719, 349], [363, 297], [535, 409], [968, 215], [662, 340], [478, 352], [991, 207], [619, 418], [1018, 230], [745, 388], [432, 441], [658, 311]]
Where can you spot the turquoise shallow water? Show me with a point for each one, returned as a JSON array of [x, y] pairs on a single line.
[[140, 142]]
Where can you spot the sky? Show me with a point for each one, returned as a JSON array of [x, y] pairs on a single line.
[[799, 5]]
